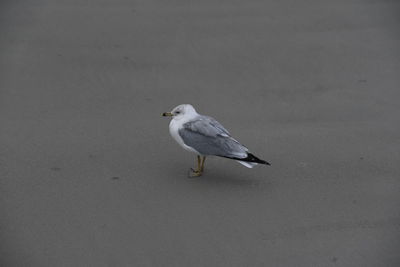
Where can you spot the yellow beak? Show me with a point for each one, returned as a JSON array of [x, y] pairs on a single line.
[[167, 114]]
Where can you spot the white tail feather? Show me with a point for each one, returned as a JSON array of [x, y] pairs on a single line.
[[247, 164]]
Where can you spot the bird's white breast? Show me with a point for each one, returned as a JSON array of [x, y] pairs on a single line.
[[174, 127]]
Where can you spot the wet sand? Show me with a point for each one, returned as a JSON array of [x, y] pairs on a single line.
[[91, 177]]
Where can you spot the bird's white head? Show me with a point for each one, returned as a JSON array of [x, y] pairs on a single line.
[[182, 111]]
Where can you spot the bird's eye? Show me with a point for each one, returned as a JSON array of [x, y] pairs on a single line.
[[177, 112]]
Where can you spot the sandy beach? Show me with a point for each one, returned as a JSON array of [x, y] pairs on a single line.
[[89, 175]]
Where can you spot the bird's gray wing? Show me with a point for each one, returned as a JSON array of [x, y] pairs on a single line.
[[209, 137]]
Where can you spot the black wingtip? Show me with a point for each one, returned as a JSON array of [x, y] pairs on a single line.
[[252, 158], [263, 162]]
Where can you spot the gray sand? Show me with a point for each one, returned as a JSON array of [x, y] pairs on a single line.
[[89, 175]]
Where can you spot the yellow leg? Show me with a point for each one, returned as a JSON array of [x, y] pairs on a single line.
[[199, 171], [202, 164]]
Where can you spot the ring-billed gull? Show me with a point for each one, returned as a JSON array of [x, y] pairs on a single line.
[[205, 136]]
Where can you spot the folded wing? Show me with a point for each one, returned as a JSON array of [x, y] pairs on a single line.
[[209, 137]]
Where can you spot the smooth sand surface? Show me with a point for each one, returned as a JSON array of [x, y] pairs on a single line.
[[89, 175]]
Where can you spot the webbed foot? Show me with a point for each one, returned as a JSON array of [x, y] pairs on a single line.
[[194, 173]]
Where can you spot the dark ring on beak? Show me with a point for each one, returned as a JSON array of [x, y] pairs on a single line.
[[167, 114]]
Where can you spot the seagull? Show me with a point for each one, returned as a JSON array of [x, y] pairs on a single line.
[[205, 136]]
